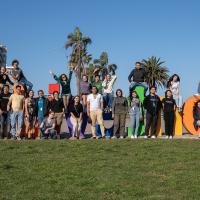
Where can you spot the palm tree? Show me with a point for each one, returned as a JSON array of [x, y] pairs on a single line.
[[79, 55], [157, 75], [102, 65]]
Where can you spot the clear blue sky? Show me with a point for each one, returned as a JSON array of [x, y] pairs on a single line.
[[129, 30]]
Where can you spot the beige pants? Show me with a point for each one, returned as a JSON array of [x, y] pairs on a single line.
[[59, 118], [76, 126], [96, 117]]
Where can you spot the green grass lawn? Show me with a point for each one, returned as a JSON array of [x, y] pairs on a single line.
[[111, 169]]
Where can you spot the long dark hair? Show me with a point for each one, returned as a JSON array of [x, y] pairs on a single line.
[[63, 75], [167, 92], [196, 105], [131, 97], [171, 79], [119, 90]]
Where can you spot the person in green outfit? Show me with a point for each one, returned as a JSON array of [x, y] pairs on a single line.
[[97, 83], [64, 81]]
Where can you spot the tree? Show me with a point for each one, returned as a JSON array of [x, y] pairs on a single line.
[[157, 75], [101, 65], [79, 55]]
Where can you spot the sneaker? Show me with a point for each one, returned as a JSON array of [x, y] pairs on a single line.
[[145, 137], [132, 137], [19, 139], [121, 137], [114, 137], [153, 136], [170, 137], [135, 136], [197, 94]]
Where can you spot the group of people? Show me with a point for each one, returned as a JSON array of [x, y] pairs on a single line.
[[39, 114]]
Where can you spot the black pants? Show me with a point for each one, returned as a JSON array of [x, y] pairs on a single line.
[[169, 123], [119, 124], [151, 122]]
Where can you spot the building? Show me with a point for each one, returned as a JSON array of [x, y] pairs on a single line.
[[3, 55]]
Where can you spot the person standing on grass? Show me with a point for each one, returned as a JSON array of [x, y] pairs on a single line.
[[48, 126], [57, 106], [64, 81], [152, 104], [174, 85], [16, 106], [134, 112], [137, 77], [30, 114], [196, 115], [107, 85], [119, 111], [85, 88], [95, 110], [76, 111], [42, 107], [169, 108], [4, 114]]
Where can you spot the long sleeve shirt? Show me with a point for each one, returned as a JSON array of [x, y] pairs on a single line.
[[65, 85], [108, 85]]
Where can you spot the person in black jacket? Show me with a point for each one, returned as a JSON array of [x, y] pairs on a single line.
[[4, 114], [169, 108], [57, 106], [152, 104], [196, 115], [137, 77]]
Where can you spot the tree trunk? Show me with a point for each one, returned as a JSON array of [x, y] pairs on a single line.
[[78, 80]]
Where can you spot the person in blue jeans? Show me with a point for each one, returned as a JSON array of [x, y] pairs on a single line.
[[137, 77], [16, 106], [42, 105], [134, 112], [18, 75]]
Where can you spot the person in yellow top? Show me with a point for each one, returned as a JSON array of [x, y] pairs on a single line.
[[16, 106]]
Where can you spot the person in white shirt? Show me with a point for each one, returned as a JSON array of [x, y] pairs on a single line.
[[108, 90], [94, 111], [174, 86]]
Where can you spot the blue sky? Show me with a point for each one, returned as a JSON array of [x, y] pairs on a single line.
[[130, 30]]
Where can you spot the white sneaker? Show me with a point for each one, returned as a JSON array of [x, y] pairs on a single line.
[[132, 137], [121, 137], [135, 136], [145, 137], [197, 94], [170, 137], [153, 136], [114, 137]]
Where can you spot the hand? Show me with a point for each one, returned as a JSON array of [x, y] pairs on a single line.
[[8, 108], [46, 131], [1, 112], [50, 72], [113, 116]]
